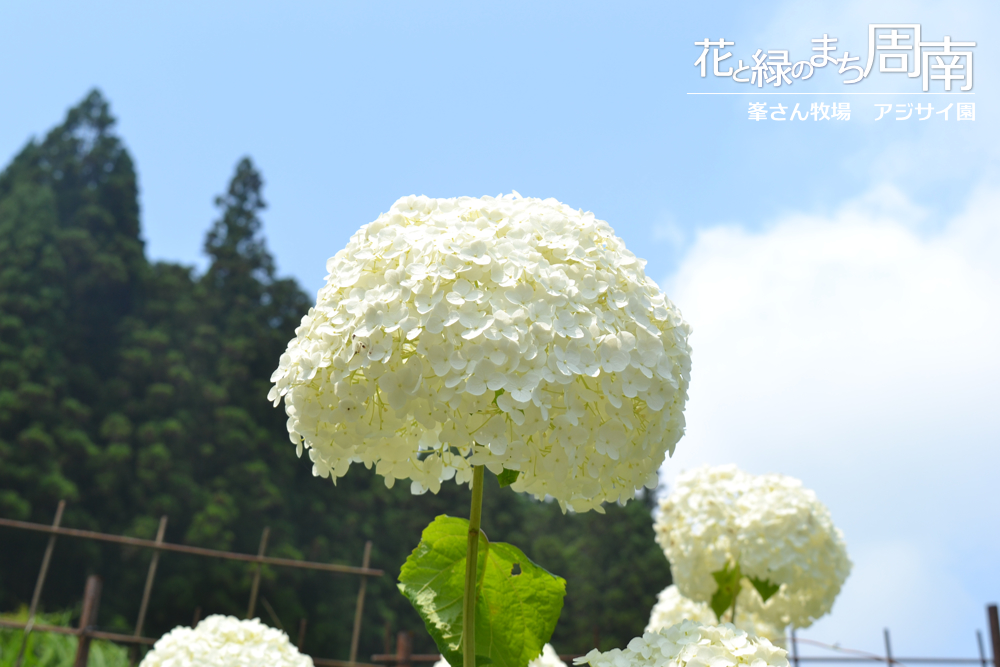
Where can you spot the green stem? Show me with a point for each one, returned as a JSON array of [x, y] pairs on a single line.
[[732, 613], [471, 561]]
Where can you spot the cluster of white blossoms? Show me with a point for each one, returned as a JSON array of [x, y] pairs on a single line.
[[225, 641], [769, 525], [672, 608], [691, 644], [508, 332], [547, 658]]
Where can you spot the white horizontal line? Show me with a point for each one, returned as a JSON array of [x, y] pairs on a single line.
[[831, 93]]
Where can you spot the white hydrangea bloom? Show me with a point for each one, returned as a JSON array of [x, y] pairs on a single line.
[[672, 608], [225, 641], [511, 332], [770, 525], [691, 644], [548, 658]]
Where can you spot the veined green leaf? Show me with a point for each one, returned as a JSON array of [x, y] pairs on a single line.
[[515, 613]]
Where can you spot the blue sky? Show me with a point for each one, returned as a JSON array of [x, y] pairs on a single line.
[[839, 275]]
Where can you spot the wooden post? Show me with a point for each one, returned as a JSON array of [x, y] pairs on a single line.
[[359, 607], [197, 617], [404, 649], [88, 618], [795, 649], [256, 573], [888, 647], [991, 611], [270, 611], [302, 635], [40, 583], [982, 651], [144, 605]]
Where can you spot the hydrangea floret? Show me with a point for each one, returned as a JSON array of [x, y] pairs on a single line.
[[510, 332], [768, 527], [672, 608], [225, 641], [691, 644], [547, 658]]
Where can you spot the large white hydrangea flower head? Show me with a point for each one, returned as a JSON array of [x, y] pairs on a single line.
[[769, 525], [672, 608], [691, 644], [547, 658], [509, 332], [225, 641]]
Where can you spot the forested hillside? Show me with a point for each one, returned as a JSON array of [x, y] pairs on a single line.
[[135, 389]]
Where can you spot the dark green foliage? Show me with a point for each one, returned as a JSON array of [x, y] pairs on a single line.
[[135, 389]]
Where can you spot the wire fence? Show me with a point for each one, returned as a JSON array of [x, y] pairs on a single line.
[[87, 627], [403, 655], [889, 659]]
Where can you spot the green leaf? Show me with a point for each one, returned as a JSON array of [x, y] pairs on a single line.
[[515, 613], [507, 477], [728, 581], [764, 587]]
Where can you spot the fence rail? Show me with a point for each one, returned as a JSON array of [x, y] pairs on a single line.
[[91, 599], [96, 634], [187, 549]]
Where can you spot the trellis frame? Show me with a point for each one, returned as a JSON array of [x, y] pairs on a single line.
[[91, 599]]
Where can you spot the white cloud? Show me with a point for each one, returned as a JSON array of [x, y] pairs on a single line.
[[861, 355]]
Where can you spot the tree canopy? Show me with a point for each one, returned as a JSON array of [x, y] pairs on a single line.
[[135, 389]]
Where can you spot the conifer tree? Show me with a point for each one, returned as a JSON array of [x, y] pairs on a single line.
[[135, 389], [72, 269]]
